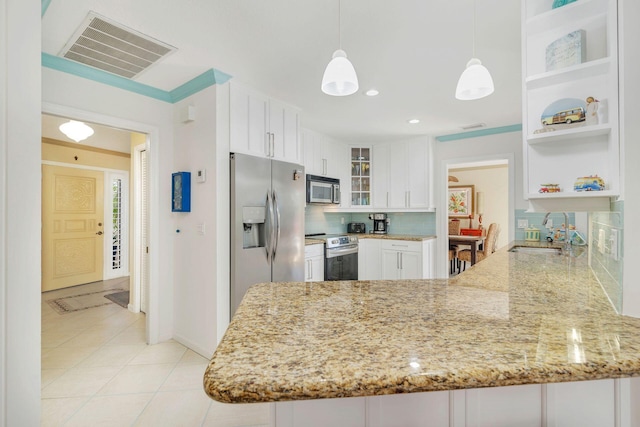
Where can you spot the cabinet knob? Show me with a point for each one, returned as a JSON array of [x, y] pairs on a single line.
[[99, 233]]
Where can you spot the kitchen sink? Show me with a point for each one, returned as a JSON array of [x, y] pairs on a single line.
[[536, 250]]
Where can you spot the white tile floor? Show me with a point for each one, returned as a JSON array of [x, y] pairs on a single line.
[[98, 371]]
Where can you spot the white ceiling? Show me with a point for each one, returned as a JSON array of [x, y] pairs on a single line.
[[412, 51]]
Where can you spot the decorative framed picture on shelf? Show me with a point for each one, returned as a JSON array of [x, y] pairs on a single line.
[[568, 50], [460, 200]]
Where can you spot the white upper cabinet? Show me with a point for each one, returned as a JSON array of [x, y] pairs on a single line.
[[262, 126], [570, 55], [402, 178], [322, 155]]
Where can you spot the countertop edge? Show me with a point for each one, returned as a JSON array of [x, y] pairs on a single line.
[[455, 381]]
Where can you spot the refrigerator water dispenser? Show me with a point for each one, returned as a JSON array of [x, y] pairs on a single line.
[[253, 226]]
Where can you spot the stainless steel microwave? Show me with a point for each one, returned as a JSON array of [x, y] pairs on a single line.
[[323, 190]]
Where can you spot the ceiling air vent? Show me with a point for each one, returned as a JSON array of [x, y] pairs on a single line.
[[473, 126], [112, 47]]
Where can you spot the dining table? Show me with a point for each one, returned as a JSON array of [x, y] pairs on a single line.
[[472, 241]]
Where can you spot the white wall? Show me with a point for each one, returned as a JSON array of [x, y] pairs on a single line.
[[494, 183], [19, 213], [502, 146], [195, 254], [629, 11], [76, 97]]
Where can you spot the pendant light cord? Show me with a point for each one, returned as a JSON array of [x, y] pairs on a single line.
[[474, 28], [339, 24]]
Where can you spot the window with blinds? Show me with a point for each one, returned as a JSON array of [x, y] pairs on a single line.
[[116, 218]]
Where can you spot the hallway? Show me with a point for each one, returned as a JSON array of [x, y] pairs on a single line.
[[97, 370]]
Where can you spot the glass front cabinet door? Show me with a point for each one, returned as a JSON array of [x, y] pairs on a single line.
[[360, 176]]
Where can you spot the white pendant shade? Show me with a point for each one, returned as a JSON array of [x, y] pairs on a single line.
[[76, 130], [339, 77], [475, 82]]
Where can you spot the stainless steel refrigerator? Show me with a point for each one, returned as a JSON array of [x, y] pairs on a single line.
[[267, 223]]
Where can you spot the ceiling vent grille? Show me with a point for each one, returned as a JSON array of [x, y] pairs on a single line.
[[112, 47], [473, 126]]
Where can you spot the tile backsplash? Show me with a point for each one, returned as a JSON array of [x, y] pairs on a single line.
[[605, 250], [415, 223], [534, 219]]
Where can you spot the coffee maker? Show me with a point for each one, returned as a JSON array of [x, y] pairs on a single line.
[[380, 225]]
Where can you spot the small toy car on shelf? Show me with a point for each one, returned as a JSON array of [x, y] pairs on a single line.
[[549, 188]]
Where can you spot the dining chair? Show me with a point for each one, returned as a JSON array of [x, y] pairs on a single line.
[[464, 255], [454, 227], [454, 230]]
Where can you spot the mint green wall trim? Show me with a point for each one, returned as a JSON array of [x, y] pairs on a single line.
[[94, 74], [203, 81], [45, 6], [195, 85], [480, 132]]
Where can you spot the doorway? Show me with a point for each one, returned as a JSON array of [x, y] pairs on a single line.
[[115, 154], [492, 176]]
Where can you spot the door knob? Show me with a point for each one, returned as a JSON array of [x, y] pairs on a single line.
[[99, 233]]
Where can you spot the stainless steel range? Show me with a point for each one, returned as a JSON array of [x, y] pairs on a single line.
[[341, 257]]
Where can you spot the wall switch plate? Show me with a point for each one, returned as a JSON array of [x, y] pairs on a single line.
[[601, 245], [613, 240], [201, 228], [523, 223], [201, 175]]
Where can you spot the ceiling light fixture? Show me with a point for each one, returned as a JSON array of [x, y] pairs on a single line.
[[372, 92], [475, 81], [339, 77], [413, 121], [76, 130]]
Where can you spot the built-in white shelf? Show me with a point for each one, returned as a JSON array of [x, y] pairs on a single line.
[[571, 136], [573, 195], [554, 18], [586, 70]]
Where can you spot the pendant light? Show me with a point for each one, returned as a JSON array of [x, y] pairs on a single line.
[[339, 77], [76, 130], [475, 81]]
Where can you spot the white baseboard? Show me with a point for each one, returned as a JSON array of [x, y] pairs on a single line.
[[207, 354]]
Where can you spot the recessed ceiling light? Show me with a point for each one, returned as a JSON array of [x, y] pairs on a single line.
[[413, 121], [371, 92]]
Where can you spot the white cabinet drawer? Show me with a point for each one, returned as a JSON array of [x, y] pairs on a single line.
[[401, 245], [314, 250]]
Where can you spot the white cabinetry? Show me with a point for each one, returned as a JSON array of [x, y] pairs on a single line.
[[314, 263], [560, 153], [322, 155], [585, 403], [395, 259], [262, 126], [369, 259], [402, 175], [401, 260]]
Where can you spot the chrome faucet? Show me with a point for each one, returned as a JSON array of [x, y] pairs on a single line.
[[567, 240]]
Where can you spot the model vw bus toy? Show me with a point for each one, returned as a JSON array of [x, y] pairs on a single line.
[[589, 183]]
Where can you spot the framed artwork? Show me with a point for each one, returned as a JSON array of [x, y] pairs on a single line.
[[181, 192], [460, 200]]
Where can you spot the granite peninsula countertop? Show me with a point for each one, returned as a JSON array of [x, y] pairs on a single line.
[[514, 318]]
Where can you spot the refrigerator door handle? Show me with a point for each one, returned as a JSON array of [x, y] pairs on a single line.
[[277, 224], [269, 231]]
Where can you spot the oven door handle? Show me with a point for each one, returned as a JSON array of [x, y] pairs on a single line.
[[336, 252]]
